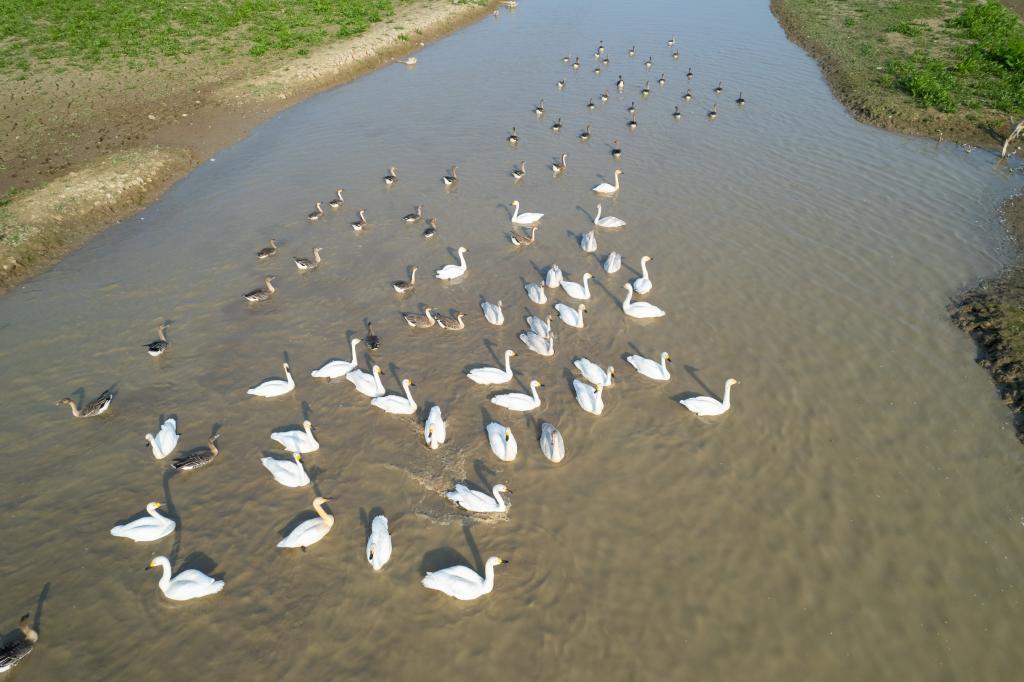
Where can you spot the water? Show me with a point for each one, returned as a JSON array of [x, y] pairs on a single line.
[[856, 515]]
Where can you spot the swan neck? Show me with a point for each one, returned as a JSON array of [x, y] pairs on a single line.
[[412, 280], [616, 181], [533, 389], [152, 512], [598, 214], [165, 578], [353, 345], [515, 213], [664, 360], [628, 299], [725, 399], [489, 576], [499, 498], [408, 393], [643, 268], [462, 258], [508, 364], [318, 506], [586, 286]]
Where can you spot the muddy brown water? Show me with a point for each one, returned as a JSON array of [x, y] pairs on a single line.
[[857, 515]]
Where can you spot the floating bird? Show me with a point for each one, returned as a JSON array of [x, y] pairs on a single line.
[[672, 41], [452, 324], [649, 368], [302, 441], [404, 287], [519, 173], [571, 316], [450, 180], [718, 88], [535, 292], [267, 251], [462, 582], [450, 272], [199, 457], [414, 217], [740, 101], [272, 388], [677, 114], [561, 84], [190, 584], [93, 408], [392, 176], [620, 84], [632, 51], [519, 402], [395, 404], [523, 240], [378, 545], [318, 213], [553, 277], [541, 345], [585, 135], [688, 95], [590, 104], [310, 531], [559, 166], [589, 397], [337, 201], [643, 285], [588, 242], [640, 309], [367, 383], [12, 653], [361, 224], [593, 372], [410, 61], [502, 442], [557, 126], [371, 340], [613, 263], [631, 109], [705, 406], [423, 321], [262, 294], [661, 79], [288, 473], [632, 122], [608, 222], [165, 440], [337, 368], [566, 59], [513, 138], [157, 348], [524, 218], [493, 313], [477, 501], [646, 90], [713, 114], [309, 264], [431, 229], [552, 445], [616, 150], [489, 376], [538, 326], [649, 63], [604, 96], [675, 55], [148, 528], [576, 64], [434, 432], [539, 109], [576, 290], [689, 74]]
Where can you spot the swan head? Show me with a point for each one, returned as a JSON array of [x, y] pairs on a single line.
[[628, 286], [665, 357], [306, 424], [157, 561], [731, 382], [510, 353], [286, 367], [583, 307], [515, 202], [152, 506], [407, 382], [297, 457], [508, 434], [500, 488], [587, 275], [495, 561], [463, 249], [317, 250], [149, 436], [646, 259], [535, 384], [377, 369], [268, 279]]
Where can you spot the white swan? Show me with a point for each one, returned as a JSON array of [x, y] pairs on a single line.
[[535, 292], [571, 316], [503, 443], [519, 402], [477, 501], [396, 404], [493, 313], [488, 376], [588, 397], [588, 242], [593, 372], [551, 443], [165, 440], [378, 545], [434, 432], [297, 441], [706, 406], [310, 531], [605, 189], [553, 277], [649, 368], [288, 473], [190, 584], [367, 383], [272, 388], [454, 271], [641, 309], [539, 327], [462, 582], [610, 222], [576, 290], [525, 218], [146, 529], [643, 285], [338, 368], [541, 345]]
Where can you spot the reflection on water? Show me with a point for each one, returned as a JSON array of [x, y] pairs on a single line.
[[856, 515]]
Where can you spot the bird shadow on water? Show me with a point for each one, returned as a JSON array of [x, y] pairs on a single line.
[[598, 284], [483, 473], [590, 216], [367, 517], [443, 557], [490, 346], [200, 561]]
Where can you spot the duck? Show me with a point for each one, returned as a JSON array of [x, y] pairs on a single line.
[[677, 114], [309, 264], [632, 122], [620, 84], [146, 529], [613, 263], [371, 340], [198, 458], [713, 114], [367, 383], [477, 501], [318, 213], [541, 345], [588, 397], [450, 272], [310, 531], [538, 326], [93, 408], [451, 324], [639, 309], [593, 372], [415, 216], [434, 432], [519, 402], [13, 652], [643, 284], [571, 316], [288, 473], [431, 229], [607, 189], [553, 277], [391, 177], [451, 180], [588, 242], [166, 439], [539, 109], [337, 201], [740, 101], [616, 150], [718, 88], [590, 104], [493, 313], [519, 173], [302, 441], [688, 95], [267, 251], [646, 90], [190, 584], [462, 582], [395, 404], [378, 545], [402, 286], [523, 240], [503, 443], [552, 446], [604, 96], [491, 376], [706, 406], [337, 368], [422, 321], [263, 294], [513, 137], [580, 292], [272, 388], [649, 368], [661, 79], [608, 222], [535, 292], [362, 223], [689, 74], [585, 135], [556, 127], [559, 166], [525, 219]]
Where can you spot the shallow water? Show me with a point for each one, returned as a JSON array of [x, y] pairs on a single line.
[[856, 515]]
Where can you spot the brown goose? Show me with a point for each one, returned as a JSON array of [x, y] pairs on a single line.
[[199, 457], [450, 180], [431, 229], [423, 321], [404, 287], [414, 217], [308, 264], [453, 324], [267, 251], [12, 652], [157, 348], [318, 213], [392, 176], [523, 240], [93, 408], [259, 295]]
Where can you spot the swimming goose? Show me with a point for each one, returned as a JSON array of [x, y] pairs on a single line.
[[392, 176], [462, 582], [600, 47], [306, 263], [661, 79], [590, 104], [337, 201], [190, 584], [522, 240], [649, 63], [607, 189], [157, 348], [263, 294], [557, 126], [396, 404], [589, 397], [740, 101], [705, 406], [367, 383], [609, 222], [677, 114], [404, 287], [434, 431], [361, 224], [576, 64], [552, 445], [588, 242], [371, 340], [539, 109], [585, 135], [566, 59], [571, 316], [646, 90], [493, 313], [519, 173], [632, 122], [688, 95], [450, 180], [450, 272], [620, 84], [12, 653], [318, 213], [451, 324], [689, 74], [649, 368], [272, 388], [489, 376], [414, 217], [593, 372], [310, 531], [267, 251], [302, 441], [541, 345], [410, 61], [597, 70], [337, 368], [718, 88], [559, 166], [605, 61], [576, 290], [287, 472], [166, 439], [423, 321], [503, 443], [513, 138], [616, 150], [613, 263], [631, 109], [524, 218], [632, 51], [675, 55], [713, 114], [477, 501], [538, 326], [643, 284], [431, 229], [148, 528], [199, 457], [561, 84], [604, 96], [535, 292], [519, 402], [93, 408], [553, 277], [672, 41], [640, 309], [378, 545]]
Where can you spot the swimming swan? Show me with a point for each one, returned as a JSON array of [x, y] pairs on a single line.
[[378, 545], [706, 406], [272, 388], [542, 345], [588, 397], [613, 263], [288, 473], [539, 327], [310, 531], [593, 372], [553, 277], [190, 584], [488, 376], [449, 272], [571, 316], [165, 440], [462, 582], [369, 384], [535, 292], [607, 190], [146, 529], [524, 218], [576, 290], [493, 313], [477, 501], [610, 222], [643, 285], [396, 404], [14, 651], [338, 368], [503, 443], [588, 242], [297, 441], [519, 402], [551, 443], [649, 368], [434, 432], [641, 309]]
